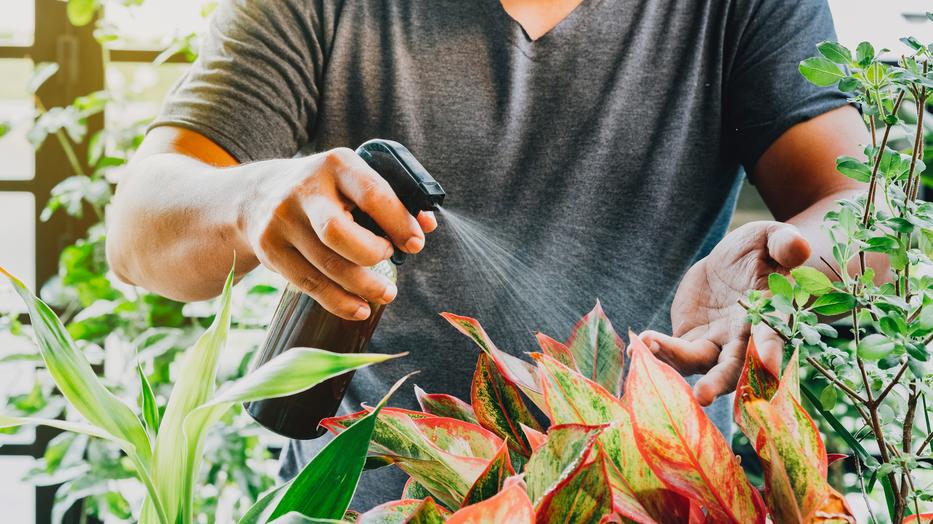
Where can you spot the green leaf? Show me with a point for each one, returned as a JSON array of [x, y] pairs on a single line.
[[883, 244], [853, 168], [821, 72], [563, 453], [492, 478], [875, 347], [828, 397], [834, 304], [150, 408], [811, 280], [835, 52], [780, 286], [849, 84], [912, 43], [499, 407], [864, 54], [81, 12], [325, 486], [597, 350]]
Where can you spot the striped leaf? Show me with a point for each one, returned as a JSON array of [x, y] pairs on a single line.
[[499, 406], [492, 478], [837, 511], [755, 381], [681, 444], [428, 512], [514, 369], [567, 447], [583, 497], [572, 398], [509, 506], [598, 351], [413, 490], [556, 350], [442, 405], [626, 506]]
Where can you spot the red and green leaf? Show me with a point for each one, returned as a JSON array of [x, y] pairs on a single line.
[[923, 518], [413, 490], [442, 405], [583, 497], [557, 350], [492, 479], [397, 511], [572, 398], [499, 406], [794, 487], [567, 447], [597, 350], [835, 511], [509, 506], [536, 439], [428, 512], [755, 381], [459, 437], [514, 369], [681, 444]]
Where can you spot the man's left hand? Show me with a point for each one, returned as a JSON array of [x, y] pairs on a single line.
[[710, 329]]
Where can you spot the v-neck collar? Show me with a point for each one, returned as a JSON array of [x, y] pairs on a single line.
[[568, 28]]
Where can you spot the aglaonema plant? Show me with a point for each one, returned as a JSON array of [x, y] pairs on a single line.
[[165, 451], [638, 450], [880, 367]]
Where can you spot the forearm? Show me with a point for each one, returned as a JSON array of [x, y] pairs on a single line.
[[173, 225]]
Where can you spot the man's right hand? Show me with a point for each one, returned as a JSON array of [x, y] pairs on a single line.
[[298, 223], [184, 206]]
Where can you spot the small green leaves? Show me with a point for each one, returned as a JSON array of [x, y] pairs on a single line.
[[828, 397], [81, 12], [835, 52], [912, 43], [864, 54], [149, 407], [853, 168], [821, 72], [834, 304], [780, 286], [811, 280], [875, 347]]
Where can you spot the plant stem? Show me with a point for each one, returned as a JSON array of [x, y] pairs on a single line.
[[925, 443], [833, 269], [832, 378], [894, 381], [861, 482], [918, 143], [65, 143], [874, 172], [767, 322]]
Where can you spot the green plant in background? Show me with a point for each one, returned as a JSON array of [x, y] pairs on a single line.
[[883, 374], [165, 451]]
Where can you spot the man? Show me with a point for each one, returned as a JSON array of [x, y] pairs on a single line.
[[606, 136]]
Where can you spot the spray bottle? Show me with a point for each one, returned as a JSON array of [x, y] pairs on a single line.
[[299, 321]]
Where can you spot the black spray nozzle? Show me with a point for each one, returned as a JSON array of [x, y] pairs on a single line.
[[410, 181]]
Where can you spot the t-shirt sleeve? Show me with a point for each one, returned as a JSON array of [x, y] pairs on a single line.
[[254, 87], [765, 93]]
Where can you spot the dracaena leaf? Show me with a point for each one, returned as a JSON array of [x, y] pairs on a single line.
[[442, 405], [557, 350], [499, 406], [572, 398], [396, 511], [583, 497], [514, 369], [794, 486], [597, 350], [681, 444], [491, 480], [509, 506], [567, 447]]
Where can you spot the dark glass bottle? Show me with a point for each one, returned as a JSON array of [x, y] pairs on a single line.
[[299, 321]]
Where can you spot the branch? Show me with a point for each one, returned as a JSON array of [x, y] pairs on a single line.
[[832, 378], [889, 387], [766, 322], [874, 172]]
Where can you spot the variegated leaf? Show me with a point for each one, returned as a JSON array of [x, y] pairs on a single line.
[[557, 350], [598, 350], [583, 497], [756, 381], [499, 406], [514, 369], [413, 490], [681, 444], [492, 479], [442, 405], [572, 398], [625, 505], [535, 438], [567, 447], [396, 512], [509, 506], [786, 402], [923, 518], [835, 511], [794, 487], [428, 512]]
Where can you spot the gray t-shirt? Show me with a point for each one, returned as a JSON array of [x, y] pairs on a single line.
[[605, 155]]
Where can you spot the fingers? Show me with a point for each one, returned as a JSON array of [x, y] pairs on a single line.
[[334, 226], [293, 266], [373, 195], [350, 276], [687, 356], [427, 221], [722, 378], [787, 246]]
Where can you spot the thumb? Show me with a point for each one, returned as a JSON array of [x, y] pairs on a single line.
[[787, 246]]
